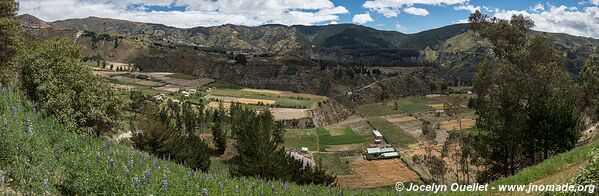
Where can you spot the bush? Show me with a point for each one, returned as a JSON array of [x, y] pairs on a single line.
[[53, 76]]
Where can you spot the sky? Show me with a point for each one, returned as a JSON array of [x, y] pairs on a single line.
[[579, 18]]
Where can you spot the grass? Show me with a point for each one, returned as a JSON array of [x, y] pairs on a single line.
[[333, 162], [549, 166], [392, 134], [376, 109], [297, 138], [348, 137]]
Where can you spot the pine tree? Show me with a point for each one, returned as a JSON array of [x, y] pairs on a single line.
[[189, 118], [9, 37], [218, 134], [589, 101]]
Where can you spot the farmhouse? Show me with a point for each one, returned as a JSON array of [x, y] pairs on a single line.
[[380, 153], [377, 134]]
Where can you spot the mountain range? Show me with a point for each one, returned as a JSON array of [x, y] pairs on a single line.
[[299, 58]]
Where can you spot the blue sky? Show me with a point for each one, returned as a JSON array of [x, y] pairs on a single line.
[[408, 16]]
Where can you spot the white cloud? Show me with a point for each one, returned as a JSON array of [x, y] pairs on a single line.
[[362, 18], [470, 8], [416, 11], [197, 13], [391, 8], [561, 19], [595, 2], [537, 8]]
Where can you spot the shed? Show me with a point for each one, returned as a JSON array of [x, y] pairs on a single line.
[[373, 150], [377, 134], [390, 154]]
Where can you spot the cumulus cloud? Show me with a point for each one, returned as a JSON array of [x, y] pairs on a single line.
[[561, 19], [362, 18], [416, 11], [469, 8], [196, 13], [391, 8], [538, 7]]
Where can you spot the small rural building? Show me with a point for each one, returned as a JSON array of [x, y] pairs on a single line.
[[378, 141], [381, 153], [305, 150], [377, 134]]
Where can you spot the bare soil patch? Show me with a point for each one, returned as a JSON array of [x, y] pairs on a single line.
[[455, 124], [370, 174], [288, 113], [256, 101]]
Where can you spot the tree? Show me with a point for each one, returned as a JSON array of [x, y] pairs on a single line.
[[218, 134], [260, 155], [111, 67], [9, 40], [589, 101], [190, 116], [477, 20], [52, 75], [158, 138], [517, 99]]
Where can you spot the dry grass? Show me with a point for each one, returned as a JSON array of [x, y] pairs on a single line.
[[288, 114], [455, 124], [370, 174]]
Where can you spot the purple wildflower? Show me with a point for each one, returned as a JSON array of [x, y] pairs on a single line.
[[1, 177], [135, 182], [14, 110], [205, 192], [165, 184], [46, 183], [146, 177], [192, 173], [1, 87], [130, 165], [28, 129], [222, 186], [285, 187], [110, 162], [127, 171]]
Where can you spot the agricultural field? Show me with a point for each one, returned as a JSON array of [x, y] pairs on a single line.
[[393, 134], [280, 99], [334, 162], [152, 82]]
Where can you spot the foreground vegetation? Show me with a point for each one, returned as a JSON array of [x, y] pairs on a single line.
[[41, 156]]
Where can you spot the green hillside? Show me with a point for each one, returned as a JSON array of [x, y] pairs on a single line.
[[40, 156]]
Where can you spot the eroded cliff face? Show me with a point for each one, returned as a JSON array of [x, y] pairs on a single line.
[[329, 112]]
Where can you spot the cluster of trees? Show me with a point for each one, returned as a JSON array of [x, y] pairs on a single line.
[[157, 136], [259, 141], [526, 98]]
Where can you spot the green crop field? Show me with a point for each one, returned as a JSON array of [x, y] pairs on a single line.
[[393, 134], [281, 100], [348, 137], [376, 109], [297, 138], [333, 162]]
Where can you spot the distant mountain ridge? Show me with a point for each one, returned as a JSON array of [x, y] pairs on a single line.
[[448, 54]]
